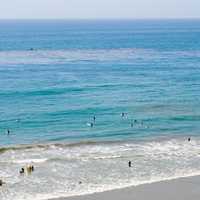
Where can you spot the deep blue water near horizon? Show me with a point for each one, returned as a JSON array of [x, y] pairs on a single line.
[[56, 75]]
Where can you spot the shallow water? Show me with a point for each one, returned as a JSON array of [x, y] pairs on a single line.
[[59, 168], [148, 70]]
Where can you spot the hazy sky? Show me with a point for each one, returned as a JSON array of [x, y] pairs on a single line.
[[99, 9]]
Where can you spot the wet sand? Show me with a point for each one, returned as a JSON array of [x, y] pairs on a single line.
[[177, 189]]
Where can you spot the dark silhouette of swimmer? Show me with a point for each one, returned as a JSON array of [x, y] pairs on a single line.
[[80, 182], [189, 139], [123, 114], [132, 123], [32, 168], [91, 124], [1, 182], [8, 132], [129, 163], [94, 118], [135, 121], [31, 49], [22, 171]]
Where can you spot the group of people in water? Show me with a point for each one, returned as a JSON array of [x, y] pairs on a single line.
[[29, 169], [24, 170], [123, 114]]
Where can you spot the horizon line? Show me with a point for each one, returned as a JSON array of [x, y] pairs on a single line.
[[104, 19]]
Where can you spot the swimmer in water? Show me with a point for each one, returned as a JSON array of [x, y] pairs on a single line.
[[189, 139], [131, 123], [94, 118], [21, 171], [1, 182], [8, 132], [129, 163], [123, 114]]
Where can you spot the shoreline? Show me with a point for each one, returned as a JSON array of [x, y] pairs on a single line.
[[174, 189]]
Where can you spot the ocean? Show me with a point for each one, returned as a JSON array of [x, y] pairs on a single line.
[[139, 79]]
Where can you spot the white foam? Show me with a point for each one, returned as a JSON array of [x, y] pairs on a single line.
[[100, 167], [27, 161]]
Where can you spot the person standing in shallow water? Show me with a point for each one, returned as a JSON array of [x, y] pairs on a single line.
[[8, 132], [129, 163]]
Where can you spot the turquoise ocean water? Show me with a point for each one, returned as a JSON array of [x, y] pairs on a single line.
[[56, 75]]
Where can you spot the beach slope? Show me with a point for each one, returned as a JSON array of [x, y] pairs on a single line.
[[177, 189]]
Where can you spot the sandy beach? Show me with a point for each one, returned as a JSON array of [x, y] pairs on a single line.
[[177, 189]]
